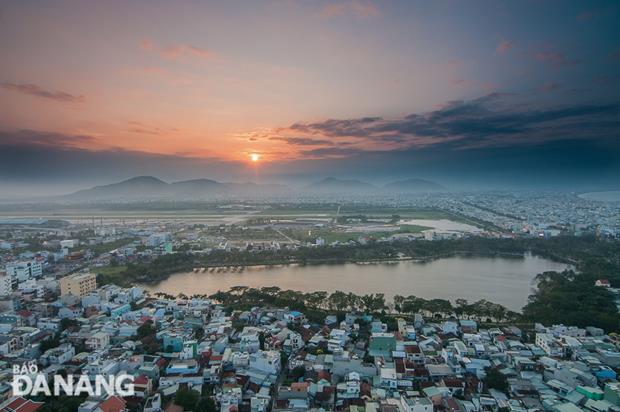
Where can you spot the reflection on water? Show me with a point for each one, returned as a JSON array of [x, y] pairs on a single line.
[[507, 281]]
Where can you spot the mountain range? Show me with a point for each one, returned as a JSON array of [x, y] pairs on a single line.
[[152, 188]]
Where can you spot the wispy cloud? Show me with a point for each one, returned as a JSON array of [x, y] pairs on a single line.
[[178, 50], [504, 46], [34, 138], [301, 141], [555, 58], [327, 152], [357, 8], [38, 91], [150, 129]]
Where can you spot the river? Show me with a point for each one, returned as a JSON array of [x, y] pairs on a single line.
[[507, 281]]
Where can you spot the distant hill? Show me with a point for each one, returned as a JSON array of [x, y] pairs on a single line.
[[413, 185], [331, 185], [141, 186], [152, 188]]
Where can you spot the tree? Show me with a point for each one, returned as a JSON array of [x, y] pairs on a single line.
[[261, 340], [50, 343], [496, 380], [398, 302], [461, 306], [206, 404], [187, 398], [145, 329], [67, 323], [199, 333]]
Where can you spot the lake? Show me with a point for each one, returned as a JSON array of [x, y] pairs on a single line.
[[503, 280]]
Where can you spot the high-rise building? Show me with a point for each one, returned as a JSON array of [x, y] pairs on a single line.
[[80, 284], [6, 284]]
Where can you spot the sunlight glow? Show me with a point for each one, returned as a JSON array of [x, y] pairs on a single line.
[[255, 157]]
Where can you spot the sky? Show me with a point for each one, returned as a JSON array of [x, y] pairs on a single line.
[[496, 91]]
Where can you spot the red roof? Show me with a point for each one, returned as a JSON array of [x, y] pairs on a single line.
[[24, 313], [322, 374], [141, 380], [19, 404], [113, 404]]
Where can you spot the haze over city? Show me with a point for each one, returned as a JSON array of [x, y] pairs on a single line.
[[472, 95]]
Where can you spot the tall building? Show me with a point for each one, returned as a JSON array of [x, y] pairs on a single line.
[[21, 271], [6, 284], [80, 284]]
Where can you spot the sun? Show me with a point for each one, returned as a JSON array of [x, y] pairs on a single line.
[[255, 157]]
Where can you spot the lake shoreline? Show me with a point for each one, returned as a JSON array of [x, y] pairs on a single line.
[[318, 262], [483, 276]]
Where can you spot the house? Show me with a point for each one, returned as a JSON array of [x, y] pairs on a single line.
[[388, 378], [143, 386], [382, 344], [550, 345], [415, 404], [603, 283], [266, 361], [98, 341], [19, 404], [182, 367], [59, 355], [112, 404], [350, 388]]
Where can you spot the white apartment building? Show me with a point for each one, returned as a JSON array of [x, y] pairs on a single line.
[[22, 271], [6, 284], [266, 361]]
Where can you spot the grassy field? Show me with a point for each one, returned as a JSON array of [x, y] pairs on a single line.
[[370, 212], [112, 274], [336, 235]]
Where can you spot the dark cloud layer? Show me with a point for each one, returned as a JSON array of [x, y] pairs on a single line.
[[492, 120]]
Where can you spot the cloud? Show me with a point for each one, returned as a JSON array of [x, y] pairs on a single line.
[[495, 119], [179, 50], [144, 128], [326, 152], [301, 141], [554, 58], [33, 138], [357, 8], [37, 91], [504, 46]]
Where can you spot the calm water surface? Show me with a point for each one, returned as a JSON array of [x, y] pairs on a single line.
[[507, 281]]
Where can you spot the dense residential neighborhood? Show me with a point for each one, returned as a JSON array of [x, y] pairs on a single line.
[[194, 354]]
